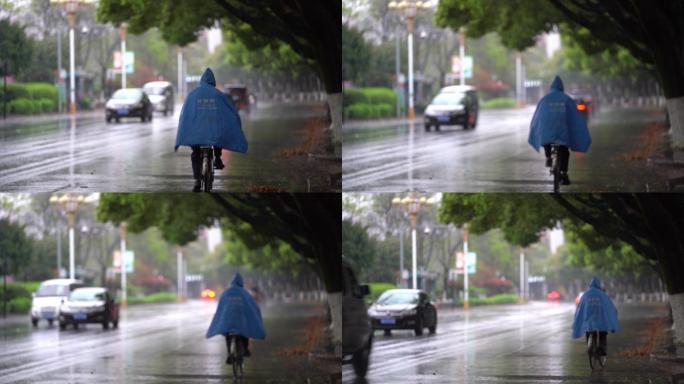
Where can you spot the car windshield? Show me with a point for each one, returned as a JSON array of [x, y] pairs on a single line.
[[86, 295], [389, 298], [154, 90], [126, 94], [448, 99], [53, 290]]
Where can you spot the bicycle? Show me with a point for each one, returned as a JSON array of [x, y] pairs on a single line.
[[595, 359], [555, 167], [207, 176], [236, 352]]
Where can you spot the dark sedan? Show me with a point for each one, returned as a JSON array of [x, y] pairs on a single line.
[[129, 102], [453, 105], [89, 305], [403, 309]]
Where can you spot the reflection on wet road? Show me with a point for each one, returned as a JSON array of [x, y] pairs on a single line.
[[495, 157], [508, 344], [156, 344], [86, 154]]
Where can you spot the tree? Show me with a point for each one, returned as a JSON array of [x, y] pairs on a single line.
[[308, 223], [15, 46], [356, 54], [648, 30], [15, 245], [311, 28], [651, 224]]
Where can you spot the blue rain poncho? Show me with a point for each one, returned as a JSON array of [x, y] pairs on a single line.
[[595, 312], [208, 118], [557, 121], [238, 313]]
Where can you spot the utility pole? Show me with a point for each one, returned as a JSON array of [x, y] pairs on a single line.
[[522, 275], [124, 298], [401, 258], [179, 269], [397, 67], [59, 67], [4, 90], [122, 33], [466, 304], [461, 53]]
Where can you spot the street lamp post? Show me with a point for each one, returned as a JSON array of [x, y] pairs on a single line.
[[412, 205], [69, 203], [122, 34], [124, 296], [71, 7], [409, 9]]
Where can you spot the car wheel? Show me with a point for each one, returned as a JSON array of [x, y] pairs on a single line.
[[360, 361], [105, 324], [62, 325], [434, 327], [419, 327], [118, 120], [149, 118], [466, 123], [50, 322], [427, 127], [166, 111], [75, 325], [109, 119], [388, 332], [437, 128], [34, 321], [115, 324], [142, 118]]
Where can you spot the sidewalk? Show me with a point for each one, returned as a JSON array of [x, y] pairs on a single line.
[[669, 163], [47, 117]]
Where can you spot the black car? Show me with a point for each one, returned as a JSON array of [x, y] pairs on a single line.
[[129, 102], [454, 105], [357, 334], [403, 309], [585, 102], [89, 305]]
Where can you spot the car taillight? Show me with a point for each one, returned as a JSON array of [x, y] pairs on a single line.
[[581, 107]]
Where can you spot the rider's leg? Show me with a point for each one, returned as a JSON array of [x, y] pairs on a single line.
[[547, 153], [603, 343], [564, 154], [229, 359], [218, 163], [196, 159], [245, 343]]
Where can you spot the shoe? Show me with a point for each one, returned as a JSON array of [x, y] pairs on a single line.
[[229, 360], [565, 180], [548, 162], [218, 164], [197, 187]]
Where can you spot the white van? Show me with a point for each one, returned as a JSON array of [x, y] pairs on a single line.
[[48, 297]]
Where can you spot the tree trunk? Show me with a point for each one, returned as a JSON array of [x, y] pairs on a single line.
[[677, 303], [675, 110], [335, 103], [335, 303]]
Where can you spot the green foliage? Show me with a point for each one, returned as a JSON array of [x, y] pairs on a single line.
[[44, 105], [161, 297], [377, 289], [22, 106], [505, 298], [357, 247], [15, 245], [19, 305], [16, 91], [499, 102], [352, 96], [15, 46], [356, 54], [42, 91], [369, 111], [369, 103]]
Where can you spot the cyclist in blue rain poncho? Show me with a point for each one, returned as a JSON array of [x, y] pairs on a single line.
[[557, 121], [239, 314], [595, 312], [208, 118]]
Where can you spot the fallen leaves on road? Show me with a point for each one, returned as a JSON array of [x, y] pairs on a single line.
[[315, 328], [654, 337], [651, 139], [313, 136]]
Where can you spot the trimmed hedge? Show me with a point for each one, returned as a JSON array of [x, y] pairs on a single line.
[[30, 98], [161, 297], [506, 298], [19, 296], [19, 305], [377, 289], [369, 103], [500, 102]]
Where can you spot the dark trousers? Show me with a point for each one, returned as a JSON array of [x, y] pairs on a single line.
[[240, 339], [602, 341], [196, 158], [563, 156]]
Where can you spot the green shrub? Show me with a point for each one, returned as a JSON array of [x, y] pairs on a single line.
[[384, 110], [15, 291], [353, 96], [161, 297], [19, 305], [16, 91], [85, 102], [380, 96], [45, 105], [42, 91], [500, 102], [358, 111], [506, 298], [377, 289], [22, 106]]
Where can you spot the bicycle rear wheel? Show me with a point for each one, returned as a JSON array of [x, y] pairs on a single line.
[[206, 173], [591, 351], [556, 173]]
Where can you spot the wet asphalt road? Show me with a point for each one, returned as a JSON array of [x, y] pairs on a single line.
[[495, 157], [86, 154], [510, 344], [157, 344]]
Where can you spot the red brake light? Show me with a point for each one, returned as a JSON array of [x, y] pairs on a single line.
[[581, 107]]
